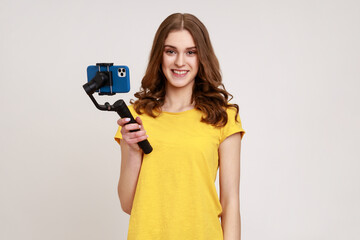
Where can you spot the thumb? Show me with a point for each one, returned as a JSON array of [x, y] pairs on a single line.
[[138, 120]]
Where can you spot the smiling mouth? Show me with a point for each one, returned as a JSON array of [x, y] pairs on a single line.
[[179, 73]]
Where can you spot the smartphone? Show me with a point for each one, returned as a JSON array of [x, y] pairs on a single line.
[[120, 79]]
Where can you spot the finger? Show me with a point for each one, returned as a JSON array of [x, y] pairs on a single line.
[[138, 120], [132, 126], [133, 135], [136, 140], [123, 121], [136, 134]]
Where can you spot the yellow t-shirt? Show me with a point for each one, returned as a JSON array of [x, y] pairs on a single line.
[[175, 196]]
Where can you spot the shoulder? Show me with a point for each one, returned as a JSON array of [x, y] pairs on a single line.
[[233, 124], [232, 115], [232, 112]]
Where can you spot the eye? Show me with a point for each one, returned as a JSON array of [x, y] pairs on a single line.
[[191, 52], [169, 51]]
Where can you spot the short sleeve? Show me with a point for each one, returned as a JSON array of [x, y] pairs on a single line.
[[232, 126], [118, 135]]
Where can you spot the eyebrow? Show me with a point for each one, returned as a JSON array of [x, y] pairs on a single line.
[[170, 46]]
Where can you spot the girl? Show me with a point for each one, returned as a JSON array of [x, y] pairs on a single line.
[[194, 130]]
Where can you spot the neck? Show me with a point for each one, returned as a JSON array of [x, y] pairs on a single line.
[[177, 100]]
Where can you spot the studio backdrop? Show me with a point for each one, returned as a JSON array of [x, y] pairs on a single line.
[[291, 66]]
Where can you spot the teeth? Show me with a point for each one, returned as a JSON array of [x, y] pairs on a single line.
[[180, 72]]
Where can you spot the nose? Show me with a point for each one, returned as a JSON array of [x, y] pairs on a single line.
[[179, 61]]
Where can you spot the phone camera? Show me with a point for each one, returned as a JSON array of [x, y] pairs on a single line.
[[122, 72]]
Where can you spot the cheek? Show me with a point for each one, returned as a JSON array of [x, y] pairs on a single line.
[[165, 61], [195, 64]]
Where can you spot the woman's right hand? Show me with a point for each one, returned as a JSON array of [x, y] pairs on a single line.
[[132, 138]]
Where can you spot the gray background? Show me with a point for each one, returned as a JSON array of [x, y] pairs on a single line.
[[292, 66]]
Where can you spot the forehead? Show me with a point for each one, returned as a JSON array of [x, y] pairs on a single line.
[[180, 39]]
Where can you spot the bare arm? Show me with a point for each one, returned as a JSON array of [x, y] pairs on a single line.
[[229, 153], [131, 159]]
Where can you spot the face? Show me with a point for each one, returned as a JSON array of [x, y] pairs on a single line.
[[180, 62]]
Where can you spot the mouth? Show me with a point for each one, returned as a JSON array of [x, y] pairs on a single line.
[[179, 73]]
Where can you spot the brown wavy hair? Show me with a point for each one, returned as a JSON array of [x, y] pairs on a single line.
[[209, 94]]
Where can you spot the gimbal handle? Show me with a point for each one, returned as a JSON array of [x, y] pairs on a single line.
[[124, 112]]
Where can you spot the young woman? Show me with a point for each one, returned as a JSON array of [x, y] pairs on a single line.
[[194, 130]]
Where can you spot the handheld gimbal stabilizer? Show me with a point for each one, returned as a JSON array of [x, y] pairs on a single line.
[[101, 79]]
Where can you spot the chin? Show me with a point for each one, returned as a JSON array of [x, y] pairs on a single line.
[[180, 83]]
